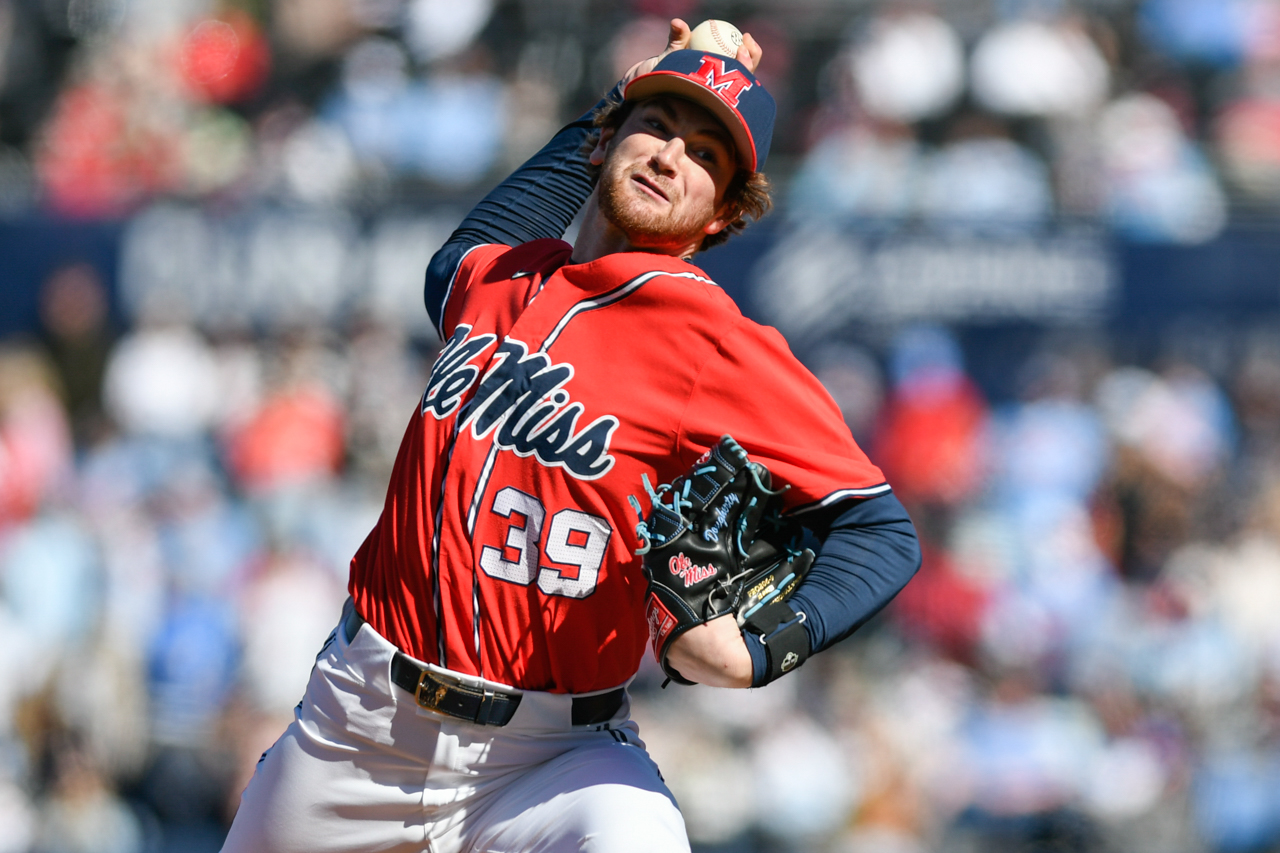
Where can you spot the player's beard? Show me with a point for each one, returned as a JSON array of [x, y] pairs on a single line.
[[645, 224]]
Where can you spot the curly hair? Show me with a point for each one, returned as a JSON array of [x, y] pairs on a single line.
[[749, 193]]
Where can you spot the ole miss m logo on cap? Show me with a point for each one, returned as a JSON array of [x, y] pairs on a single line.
[[728, 84]]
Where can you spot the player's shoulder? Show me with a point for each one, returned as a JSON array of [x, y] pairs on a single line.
[[496, 262]]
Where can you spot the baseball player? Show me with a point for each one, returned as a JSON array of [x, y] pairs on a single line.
[[473, 696]]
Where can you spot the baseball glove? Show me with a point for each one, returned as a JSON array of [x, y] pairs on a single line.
[[713, 544]]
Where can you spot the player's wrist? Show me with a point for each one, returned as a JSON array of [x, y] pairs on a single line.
[[713, 653], [784, 643], [759, 658]]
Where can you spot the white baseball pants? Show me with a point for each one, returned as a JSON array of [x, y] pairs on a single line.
[[364, 768]]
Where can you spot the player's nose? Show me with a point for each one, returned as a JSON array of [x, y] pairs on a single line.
[[668, 156]]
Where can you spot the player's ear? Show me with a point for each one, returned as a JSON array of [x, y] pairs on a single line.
[[724, 217], [596, 158]]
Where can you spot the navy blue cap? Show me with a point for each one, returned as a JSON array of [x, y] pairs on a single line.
[[722, 85]]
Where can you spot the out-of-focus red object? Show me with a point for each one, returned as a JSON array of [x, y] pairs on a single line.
[[94, 161], [296, 436], [35, 452], [942, 606], [929, 441], [1249, 138], [225, 59]]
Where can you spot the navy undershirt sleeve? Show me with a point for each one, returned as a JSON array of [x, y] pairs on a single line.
[[868, 554], [537, 201]]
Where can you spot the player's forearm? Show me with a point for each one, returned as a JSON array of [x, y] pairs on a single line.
[[867, 557], [713, 654]]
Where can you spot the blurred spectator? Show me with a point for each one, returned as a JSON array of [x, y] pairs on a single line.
[[853, 379], [1235, 802], [1174, 435], [634, 42], [296, 435], [1180, 422], [93, 162], [225, 59], [84, 815], [17, 819], [944, 606], [192, 671], [73, 308], [49, 579], [799, 767], [315, 29], [385, 374], [1026, 757], [286, 609], [1256, 393], [1249, 136], [1248, 126], [1053, 445], [1037, 68], [441, 28], [984, 179], [908, 67], [319, 163], [447, 128], [931, 434], [869, 170], [35, 442], [162, 381], [1202, 31], [1158, 186]]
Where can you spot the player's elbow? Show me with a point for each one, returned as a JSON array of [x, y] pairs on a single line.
[[909, 544]]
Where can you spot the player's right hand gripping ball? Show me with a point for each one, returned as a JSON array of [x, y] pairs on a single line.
[[713, 544]]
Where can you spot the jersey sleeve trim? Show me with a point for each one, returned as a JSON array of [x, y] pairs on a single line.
[[841, 495], [444, 302]]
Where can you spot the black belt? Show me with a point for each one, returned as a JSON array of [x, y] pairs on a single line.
[[474, 704]]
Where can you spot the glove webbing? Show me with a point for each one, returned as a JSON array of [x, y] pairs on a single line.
[[785, 640]]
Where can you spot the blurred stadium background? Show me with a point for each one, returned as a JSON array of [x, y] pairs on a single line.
[[1031, 246]]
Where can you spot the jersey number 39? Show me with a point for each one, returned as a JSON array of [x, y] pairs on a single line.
[[576, 542]]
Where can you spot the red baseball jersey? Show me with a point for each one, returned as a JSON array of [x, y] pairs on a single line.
[[506, 545]]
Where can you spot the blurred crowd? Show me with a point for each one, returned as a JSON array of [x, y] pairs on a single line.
[[1159, 118], [177, 513], [1089, 658], [1087, 661]]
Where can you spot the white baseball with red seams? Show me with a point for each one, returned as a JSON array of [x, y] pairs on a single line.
[[719, 37]]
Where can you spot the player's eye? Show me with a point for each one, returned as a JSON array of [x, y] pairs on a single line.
[[657, 124]]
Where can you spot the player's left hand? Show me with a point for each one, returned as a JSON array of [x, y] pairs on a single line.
[[713, 653], [714, 544], [749, 52]]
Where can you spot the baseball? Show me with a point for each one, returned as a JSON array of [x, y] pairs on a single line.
[[717, 37]]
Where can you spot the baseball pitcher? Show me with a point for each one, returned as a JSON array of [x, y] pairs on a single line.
[[607, 457]]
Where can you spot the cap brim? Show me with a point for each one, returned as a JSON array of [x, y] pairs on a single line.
[[675, 83]]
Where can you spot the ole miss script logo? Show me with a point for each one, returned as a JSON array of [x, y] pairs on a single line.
[[729, 85], [522, 401], [689, 571]]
